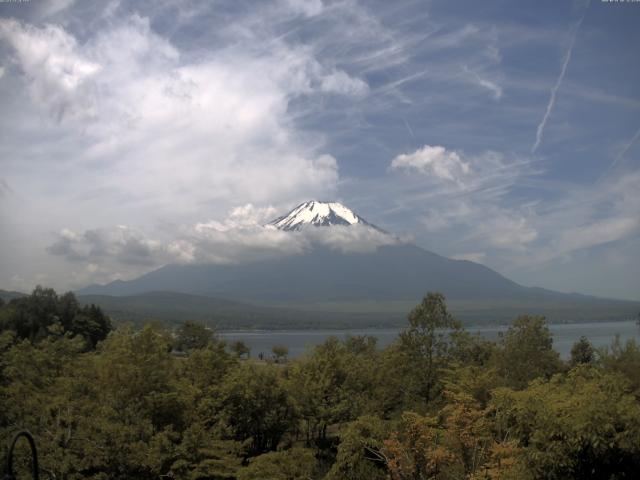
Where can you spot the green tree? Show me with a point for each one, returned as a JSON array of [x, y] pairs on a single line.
[[360, 451], [623, 359], [202, 454], [583, 424], [294, 464], [582, 352], [37, 389], [254, 406], [241, 349], [192, 336], [527, 352], [360, 344], [206, 368], [44, 313], [324, 386], [426, 345]]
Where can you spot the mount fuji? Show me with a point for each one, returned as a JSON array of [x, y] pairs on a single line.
[[383, 282], [319, 214]]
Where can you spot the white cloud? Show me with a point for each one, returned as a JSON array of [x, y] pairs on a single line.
[[209, 243], [309, 8], [596, 233], [506, 231], [463, 206], [48, 8], [487, 224], [122, 252], [125, 245], [240, 217], [583, 218], [623, 152], [434, 160], [477, 257], [54, 67], [115, 118], [179, 133], [486, 83], [438, 219], [339, 81]]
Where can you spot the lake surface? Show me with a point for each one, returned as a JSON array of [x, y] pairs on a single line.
[[298, 341]]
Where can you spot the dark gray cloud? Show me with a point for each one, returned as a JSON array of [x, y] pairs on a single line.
[[120, 244]]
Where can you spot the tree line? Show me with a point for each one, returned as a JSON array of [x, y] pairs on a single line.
[[438, 403]]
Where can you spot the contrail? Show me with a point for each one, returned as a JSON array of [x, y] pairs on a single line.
[[626, 149], [406, 124], [621, 155], [556, 87]]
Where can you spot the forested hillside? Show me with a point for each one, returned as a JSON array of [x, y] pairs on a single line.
[[437, 404]]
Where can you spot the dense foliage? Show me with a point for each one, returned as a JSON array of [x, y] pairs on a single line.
[[439, 403], [44, 313]]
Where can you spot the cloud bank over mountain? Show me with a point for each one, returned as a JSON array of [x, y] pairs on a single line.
[[243, 236]]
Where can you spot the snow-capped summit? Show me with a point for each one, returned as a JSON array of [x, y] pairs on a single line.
[[319, 214]]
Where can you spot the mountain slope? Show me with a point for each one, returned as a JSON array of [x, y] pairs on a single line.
[[392, 278], [395, 272], [8, 295]]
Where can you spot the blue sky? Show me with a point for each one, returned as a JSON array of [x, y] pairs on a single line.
[[503, 132]]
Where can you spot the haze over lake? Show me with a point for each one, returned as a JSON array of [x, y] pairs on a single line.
[[600, 334]]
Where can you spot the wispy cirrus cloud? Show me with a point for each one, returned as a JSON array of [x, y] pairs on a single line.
[[492, 86], [623, 152]]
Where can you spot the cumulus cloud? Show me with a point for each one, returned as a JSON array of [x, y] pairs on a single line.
[[245, 216], [478, 211], [122, 244], [179, 132], [465, 199], [434, 160], [208, 243], [340, 82], [55, 69]]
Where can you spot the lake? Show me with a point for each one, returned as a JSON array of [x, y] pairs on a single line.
[[298, 341]]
